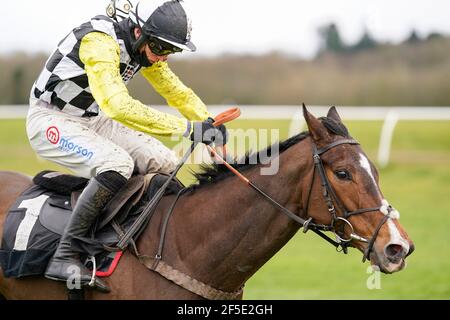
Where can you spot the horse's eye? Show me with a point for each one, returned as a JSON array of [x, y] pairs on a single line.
[[343, 175]]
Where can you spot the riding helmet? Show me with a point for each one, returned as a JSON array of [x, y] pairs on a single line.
[[164, 20]]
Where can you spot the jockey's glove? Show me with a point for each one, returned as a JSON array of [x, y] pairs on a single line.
[[205, 132], [223, 138]]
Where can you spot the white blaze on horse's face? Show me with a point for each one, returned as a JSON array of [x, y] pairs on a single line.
[[365, 164], [395, 235]]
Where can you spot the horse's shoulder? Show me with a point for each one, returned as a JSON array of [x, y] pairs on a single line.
[[13, 175], [14, 180]]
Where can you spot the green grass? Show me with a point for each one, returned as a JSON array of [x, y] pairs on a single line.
[[308, 268], [417, 182]]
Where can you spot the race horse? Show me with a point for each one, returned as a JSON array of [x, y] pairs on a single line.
[[222, 231]]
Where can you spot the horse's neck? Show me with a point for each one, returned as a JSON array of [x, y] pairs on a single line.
[[233, 231]]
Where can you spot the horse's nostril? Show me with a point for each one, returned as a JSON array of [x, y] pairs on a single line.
[[394, 252]]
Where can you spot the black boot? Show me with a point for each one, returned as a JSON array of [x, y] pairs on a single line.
[[92, 200]]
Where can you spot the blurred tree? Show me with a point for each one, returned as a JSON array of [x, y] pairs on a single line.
[[366, 42], [413, 37], [435, 35], [18, 78], [386, 75], [331, 39]]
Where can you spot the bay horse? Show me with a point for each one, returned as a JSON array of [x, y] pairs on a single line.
[[221, 232]]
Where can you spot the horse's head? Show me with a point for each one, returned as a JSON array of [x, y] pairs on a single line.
[[345, 195]]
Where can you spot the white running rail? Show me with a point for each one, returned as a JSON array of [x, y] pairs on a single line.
[[389, 115]]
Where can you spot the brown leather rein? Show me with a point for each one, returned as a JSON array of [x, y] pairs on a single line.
[[330, 197]]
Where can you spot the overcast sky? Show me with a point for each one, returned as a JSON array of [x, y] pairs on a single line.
[[237, 26]]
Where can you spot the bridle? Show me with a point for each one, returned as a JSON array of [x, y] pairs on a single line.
[[331, 198], [157, 264]]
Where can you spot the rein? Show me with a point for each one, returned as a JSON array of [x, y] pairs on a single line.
[[150, 208], [156, 263], [330, 197]]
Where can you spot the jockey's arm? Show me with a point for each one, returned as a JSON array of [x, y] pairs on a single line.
[[177, 95], [100, 54]]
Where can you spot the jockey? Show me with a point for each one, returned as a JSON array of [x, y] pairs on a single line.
[[82, 117]]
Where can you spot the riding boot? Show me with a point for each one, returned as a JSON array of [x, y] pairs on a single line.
[[66, 263]]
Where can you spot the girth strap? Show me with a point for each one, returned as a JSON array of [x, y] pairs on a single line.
[[188, 283], [183, 280]]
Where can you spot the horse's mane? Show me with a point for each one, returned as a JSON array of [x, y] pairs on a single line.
[[212, 173]]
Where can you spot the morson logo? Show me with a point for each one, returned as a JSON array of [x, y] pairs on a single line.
[[66, 144], [53, 135]]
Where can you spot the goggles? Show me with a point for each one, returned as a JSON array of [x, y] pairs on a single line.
[[162, 48]]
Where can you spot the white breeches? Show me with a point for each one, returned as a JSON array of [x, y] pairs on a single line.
[[90, 146]]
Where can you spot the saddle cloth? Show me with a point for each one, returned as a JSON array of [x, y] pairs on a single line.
[[37, 219]]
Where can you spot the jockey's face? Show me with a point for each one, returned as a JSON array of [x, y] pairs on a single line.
[[145, 48]]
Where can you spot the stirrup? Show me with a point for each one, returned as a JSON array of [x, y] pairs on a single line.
[[94, 270], [94, 283]]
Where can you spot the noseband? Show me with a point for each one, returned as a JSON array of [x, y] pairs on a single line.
[[331, 198]]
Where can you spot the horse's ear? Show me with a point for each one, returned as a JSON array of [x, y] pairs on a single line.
[[316, 128], [333, 114]]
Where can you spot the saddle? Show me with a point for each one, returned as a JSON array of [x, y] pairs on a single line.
[[37, 220]]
